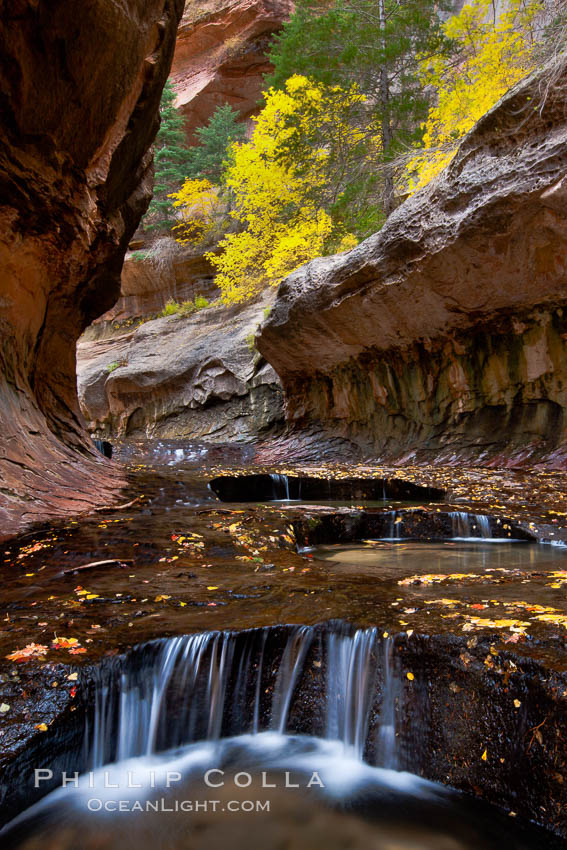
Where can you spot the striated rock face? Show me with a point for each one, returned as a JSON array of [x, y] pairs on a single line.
[[220, 56], [444, 335], [80, 86], [192, 377], [146, 287]]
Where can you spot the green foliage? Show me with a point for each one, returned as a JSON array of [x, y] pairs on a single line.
[[171, 163], [493, 55], [139, 256], [170, 309], [207, 159], [374, 44], [112, 366], [276, 184], [251, 341], [359, 88], [184, 308]]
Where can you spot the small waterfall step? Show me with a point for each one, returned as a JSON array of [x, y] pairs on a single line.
[[212, 685], [412, 524], [267, 487]]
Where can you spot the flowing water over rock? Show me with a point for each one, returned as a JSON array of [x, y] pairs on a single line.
[[180, 563], [174, 691], [278, 487], [466, 526], [185, 734]]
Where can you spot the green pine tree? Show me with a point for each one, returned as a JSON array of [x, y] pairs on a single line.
[[206, 160], [375, 44], [171, 163]]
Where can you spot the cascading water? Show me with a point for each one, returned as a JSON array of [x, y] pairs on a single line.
[[483, 523], [291, 667], [466, 526], [387, 748], [280, 487], [460, 522], [223, 686], [156, 701], [396, 522], [207, 686], [351, 679]]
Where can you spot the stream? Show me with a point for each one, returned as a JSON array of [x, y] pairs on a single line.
[[277, 637], [181, 733]]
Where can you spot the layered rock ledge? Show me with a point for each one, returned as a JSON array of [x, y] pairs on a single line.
[[81, 87], [196, 376], [443, 336]]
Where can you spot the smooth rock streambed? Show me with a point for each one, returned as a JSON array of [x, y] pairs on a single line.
[[267, 635]]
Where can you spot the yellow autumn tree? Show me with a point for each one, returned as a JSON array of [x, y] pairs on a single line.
[[493, 55], [275, 181], [197, 202]]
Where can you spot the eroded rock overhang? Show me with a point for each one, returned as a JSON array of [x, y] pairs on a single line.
[[443, 335]]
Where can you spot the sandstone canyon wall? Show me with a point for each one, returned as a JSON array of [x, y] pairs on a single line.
[[81, 85], [202, 379], [220, 56], [191, 377], [444, 335], [147, 286]]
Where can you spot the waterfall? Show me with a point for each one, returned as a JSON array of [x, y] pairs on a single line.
[[460, 522], [351, 679], [465, 525], [291, 667], [172, 692], [387, 748], [483, 523], [395, 525], [131, 706], [280, 487]]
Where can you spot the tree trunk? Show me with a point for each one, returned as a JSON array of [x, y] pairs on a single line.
[[386, 128]]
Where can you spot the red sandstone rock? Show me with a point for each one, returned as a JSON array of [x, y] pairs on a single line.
[[81, 84], [146, 287], [190, 376], [220, 55]]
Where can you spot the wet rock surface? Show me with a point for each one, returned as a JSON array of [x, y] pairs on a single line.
[[478, 623], [273, 487], [79, 114], [443, 336], [196, 376], [466, 712]]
